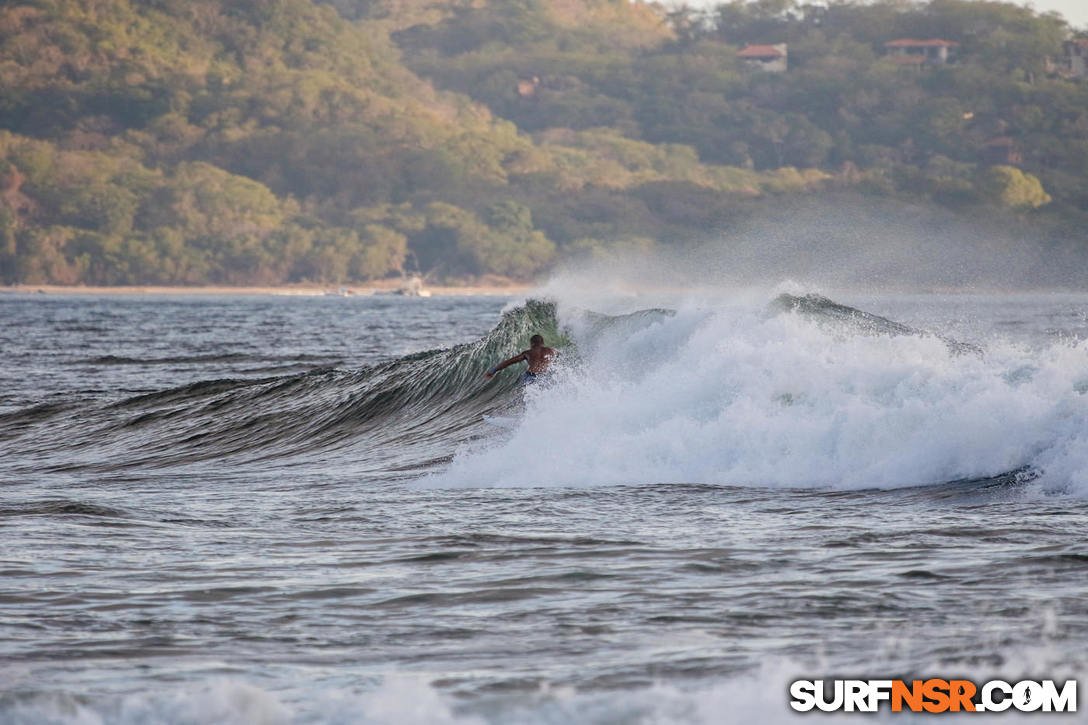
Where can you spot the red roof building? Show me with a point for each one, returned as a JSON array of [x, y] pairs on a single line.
[[759, 51], [772, 58]]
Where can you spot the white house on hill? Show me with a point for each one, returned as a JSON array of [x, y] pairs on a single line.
[[1076, 57], [921, 52]]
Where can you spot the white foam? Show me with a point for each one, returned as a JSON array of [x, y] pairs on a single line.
[[220, 701], [401, 700], [759, 695], [731, 395]]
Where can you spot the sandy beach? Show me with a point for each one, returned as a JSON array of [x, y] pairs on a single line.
[[296, 290]]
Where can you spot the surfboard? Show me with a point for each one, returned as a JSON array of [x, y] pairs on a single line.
[[500, 422]]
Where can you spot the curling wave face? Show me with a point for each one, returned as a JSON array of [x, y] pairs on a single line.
[[386, 419]]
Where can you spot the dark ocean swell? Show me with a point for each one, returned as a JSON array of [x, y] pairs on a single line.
[[398, 415]]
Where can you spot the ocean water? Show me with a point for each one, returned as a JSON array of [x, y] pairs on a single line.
[[291, 510]]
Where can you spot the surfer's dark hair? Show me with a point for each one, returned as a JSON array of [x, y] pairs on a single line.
[[536, 340]]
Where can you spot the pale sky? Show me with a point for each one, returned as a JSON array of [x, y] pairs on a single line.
[[1074, 11]]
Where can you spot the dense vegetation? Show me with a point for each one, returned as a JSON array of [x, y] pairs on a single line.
[[263, 141]]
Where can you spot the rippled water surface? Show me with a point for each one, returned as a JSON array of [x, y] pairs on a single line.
[[264, 509]]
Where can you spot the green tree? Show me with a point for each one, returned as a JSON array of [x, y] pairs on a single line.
[[1009, 187], [382, 251], [8, 248]]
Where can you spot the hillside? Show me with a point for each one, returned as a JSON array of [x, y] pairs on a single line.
[[264, 141]]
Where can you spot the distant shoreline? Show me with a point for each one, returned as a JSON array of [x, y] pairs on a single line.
[[382, 287]]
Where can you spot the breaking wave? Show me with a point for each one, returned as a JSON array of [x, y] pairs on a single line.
[[804, 392], [800, 392]]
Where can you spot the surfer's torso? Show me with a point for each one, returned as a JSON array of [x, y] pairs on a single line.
[[539, 358]]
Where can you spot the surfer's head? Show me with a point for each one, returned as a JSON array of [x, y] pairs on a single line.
[[536, 340]]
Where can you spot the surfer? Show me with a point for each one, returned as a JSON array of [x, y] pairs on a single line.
[[539, 357]]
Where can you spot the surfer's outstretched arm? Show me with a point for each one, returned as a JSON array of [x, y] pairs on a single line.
[[504, 364]]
